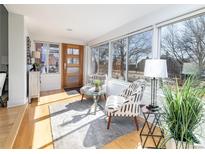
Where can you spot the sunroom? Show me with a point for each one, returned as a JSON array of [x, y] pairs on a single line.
[[129, 76]]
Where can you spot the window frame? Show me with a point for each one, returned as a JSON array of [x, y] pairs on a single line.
[[156, 40], [182, 18], [97, 48], [127, 51], [46, 44]]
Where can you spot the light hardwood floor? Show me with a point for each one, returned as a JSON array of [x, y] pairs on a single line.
[[35, 130], [10, 120]]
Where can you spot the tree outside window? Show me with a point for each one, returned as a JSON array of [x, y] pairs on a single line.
[[140, 49], [183, 43], [100, 56], [119, 48]]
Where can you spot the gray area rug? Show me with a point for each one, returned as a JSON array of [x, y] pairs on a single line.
[[75, 126]]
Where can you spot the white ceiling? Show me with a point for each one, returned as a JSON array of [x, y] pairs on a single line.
[[87, 21]]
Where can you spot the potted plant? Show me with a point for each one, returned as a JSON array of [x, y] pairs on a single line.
[[97, 84], [183, 114], [36, 67]]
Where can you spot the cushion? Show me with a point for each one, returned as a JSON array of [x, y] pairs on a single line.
[[86, 87], [114, 103]]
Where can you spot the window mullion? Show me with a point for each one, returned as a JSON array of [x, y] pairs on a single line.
[[98, 55], [159, 43], [126, 50], [110, 62], [155, 43], [47, 57]]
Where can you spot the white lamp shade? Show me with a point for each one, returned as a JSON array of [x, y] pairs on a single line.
[[190, 68], [155, 68]]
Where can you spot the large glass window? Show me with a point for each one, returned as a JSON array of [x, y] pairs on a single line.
[[50, 57], [53, 58], [119, 49], [139, 49], [183, 46], [100, 56]]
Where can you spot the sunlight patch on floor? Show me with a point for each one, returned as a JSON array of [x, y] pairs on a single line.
[[41, 125], [55, 97]]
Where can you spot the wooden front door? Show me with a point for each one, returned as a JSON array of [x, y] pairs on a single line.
[[72, 66]]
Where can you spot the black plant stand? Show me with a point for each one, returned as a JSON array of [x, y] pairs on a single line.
[[151, 126]]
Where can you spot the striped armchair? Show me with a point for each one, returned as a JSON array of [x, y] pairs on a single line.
[[127, 103]]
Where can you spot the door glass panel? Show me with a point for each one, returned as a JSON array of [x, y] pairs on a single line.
[[73, 61], [71, 51], [73, 70], [75, 51], [72, 79]]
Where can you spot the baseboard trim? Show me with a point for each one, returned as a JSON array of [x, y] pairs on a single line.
[[16, 103]]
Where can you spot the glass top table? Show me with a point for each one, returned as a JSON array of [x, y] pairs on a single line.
[[90, 91]]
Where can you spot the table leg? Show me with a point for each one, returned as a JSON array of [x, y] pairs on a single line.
[[151, 130], [95, 102]]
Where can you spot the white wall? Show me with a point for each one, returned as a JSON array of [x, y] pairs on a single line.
[[56, 39], [50, 82], [17, 60], [86, 63], [148, 20]]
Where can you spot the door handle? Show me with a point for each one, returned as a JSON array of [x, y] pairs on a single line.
[[65, 66]]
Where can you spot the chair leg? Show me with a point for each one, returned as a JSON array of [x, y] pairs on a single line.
[[82, 97], [105, 96], [136, 123], [109, 121]]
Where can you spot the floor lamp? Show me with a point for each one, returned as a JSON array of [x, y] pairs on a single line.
[[155, 69]]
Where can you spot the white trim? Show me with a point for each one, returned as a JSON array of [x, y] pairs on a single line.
[[110, 62], [181, 17], [99, 44], [124, 36], [159, 43], [155, 42], [156, 28], [15, 103], [126, 64], [159, 24], [149, 28], [47, 42]]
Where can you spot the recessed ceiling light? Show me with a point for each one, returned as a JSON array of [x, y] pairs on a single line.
[[69, 29]]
